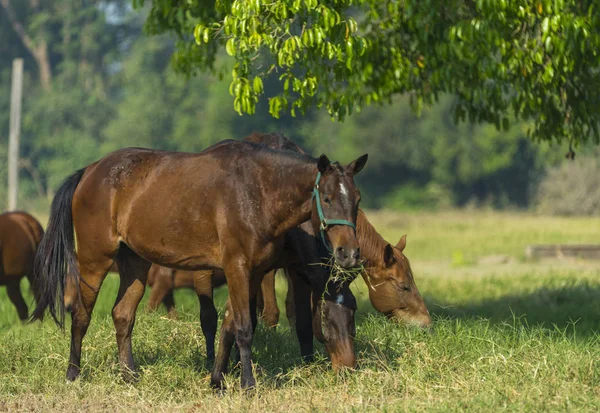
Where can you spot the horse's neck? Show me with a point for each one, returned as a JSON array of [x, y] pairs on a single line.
[[371, 243], [290, 195]]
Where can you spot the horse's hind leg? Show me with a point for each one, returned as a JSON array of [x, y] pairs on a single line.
[[91, 278], [169, 303], [225, 344], [270, 311], [162, 291], [14, 293], [133, 271], [208, 312], [290, 307]]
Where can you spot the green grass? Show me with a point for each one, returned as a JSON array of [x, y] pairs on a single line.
[[518, 337], [435, 236]]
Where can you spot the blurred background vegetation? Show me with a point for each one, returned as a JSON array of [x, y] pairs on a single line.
[[104, 85]]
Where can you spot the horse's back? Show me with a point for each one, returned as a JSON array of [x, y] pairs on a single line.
[[174, 208]]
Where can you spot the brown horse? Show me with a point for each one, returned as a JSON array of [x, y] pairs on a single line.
[[392, 289], [225, 208], [20, 235]]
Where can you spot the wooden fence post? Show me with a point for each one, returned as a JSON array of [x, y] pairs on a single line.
[[14, 133]]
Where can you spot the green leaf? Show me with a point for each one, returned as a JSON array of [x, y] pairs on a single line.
[[230, 47]]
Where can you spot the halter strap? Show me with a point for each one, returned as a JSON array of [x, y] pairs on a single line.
[[324, 222]]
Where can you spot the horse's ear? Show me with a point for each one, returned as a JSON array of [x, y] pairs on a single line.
[[402, 243], [356, 166], [388, 255], [323, 164]]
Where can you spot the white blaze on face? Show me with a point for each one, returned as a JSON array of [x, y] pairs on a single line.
[[345, 195], [343, 189]]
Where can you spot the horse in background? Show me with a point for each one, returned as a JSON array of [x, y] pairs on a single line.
[[20, 235]]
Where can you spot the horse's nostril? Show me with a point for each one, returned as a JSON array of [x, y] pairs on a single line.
[[341, 253]]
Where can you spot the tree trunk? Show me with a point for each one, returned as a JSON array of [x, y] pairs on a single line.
[[43, 61]]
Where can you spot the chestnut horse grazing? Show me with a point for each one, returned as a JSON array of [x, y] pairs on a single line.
[[225, 208], [392, 288], [20, 235]]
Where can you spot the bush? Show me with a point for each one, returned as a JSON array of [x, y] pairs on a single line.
[[572, 188]]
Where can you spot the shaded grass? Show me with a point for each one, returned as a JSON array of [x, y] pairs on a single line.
[[517, 337]]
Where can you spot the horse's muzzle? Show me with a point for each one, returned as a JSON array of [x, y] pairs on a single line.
[[342, 354], [347, 258]]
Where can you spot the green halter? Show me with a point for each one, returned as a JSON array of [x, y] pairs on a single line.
[[325, 223]]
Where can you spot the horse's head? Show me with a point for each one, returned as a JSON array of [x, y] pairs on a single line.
[[335, 207], [333, 323], [392, 288]]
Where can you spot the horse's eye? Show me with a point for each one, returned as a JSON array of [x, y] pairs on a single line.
[[327, 200]]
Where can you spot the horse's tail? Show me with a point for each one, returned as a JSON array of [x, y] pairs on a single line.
[[56, 257]]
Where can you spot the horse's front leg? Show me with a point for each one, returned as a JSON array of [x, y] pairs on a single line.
[[299, 307], [237, 323]]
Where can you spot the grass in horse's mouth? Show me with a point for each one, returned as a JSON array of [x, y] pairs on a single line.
[[339, 274]]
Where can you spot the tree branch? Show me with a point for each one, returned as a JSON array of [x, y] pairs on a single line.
[[39, 53], [26, 164], [17, 26]]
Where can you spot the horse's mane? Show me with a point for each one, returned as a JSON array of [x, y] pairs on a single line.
[[371, 242], [276, 141]]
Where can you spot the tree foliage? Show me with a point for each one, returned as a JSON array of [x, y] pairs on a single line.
[[505, 61], [112, 87]]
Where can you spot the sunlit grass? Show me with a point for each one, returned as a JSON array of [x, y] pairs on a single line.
[[518, 336], [477, 233]]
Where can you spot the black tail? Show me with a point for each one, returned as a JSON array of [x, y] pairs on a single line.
[[55, 257]]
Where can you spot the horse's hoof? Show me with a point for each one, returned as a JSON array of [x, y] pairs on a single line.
[[131, 376], [248, 383], [308, 358], [73, 373], [216, 382]]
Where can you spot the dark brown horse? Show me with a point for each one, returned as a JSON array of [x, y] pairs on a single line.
[[225, 208], [20, 235]]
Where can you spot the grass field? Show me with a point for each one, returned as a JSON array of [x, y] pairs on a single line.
[[515, 336]]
